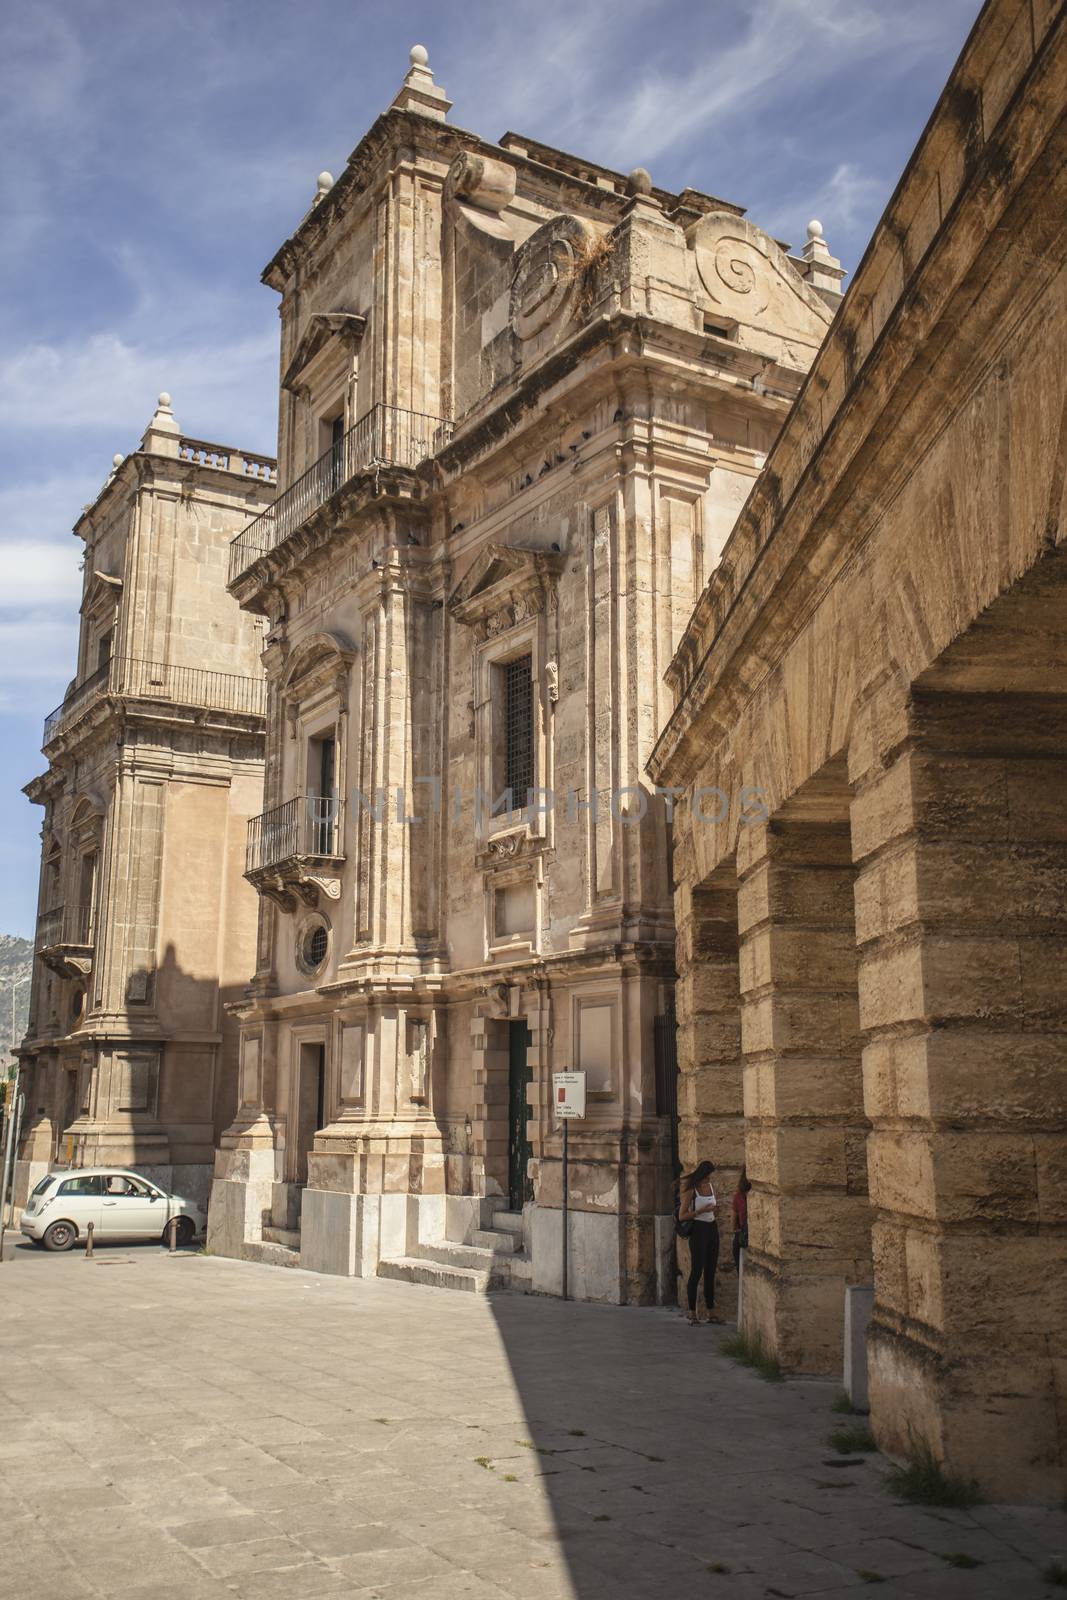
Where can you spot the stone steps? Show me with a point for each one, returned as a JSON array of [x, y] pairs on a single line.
[[507, 1222], [493, 1260], [434, 1274], [270, 1254], [499, 1243], [289, 1237]]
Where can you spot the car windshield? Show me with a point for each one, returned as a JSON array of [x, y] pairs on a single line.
[[44, 1185]]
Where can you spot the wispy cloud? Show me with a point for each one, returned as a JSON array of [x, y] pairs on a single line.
[[105, 382]]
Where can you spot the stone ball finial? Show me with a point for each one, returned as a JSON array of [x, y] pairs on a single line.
[[419, 55], [639, 181], [814, 229], [117, 459], [164, 401], [324, 182]]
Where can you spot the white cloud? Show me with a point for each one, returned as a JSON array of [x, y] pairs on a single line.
[[37, 659], [39, 508], [36, 573], [106, 382]]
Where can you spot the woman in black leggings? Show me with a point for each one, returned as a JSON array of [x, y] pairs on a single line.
[[697, 1207]]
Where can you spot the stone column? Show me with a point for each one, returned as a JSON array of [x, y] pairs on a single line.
[[961, 898], [809, 1221], [707, 997]]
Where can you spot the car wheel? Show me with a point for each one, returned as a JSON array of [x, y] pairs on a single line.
[[186, 1231], [60, 1236]]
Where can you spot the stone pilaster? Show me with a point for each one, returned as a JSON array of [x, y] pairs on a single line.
[[962, 923], [806, 1133]]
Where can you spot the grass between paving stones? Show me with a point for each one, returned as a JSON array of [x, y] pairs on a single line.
[[865, 1575], [749, 1352], [1056, 1574], [848, 1437], [923, 1482], [843, 1405], [959, 1558], [718, 1566]]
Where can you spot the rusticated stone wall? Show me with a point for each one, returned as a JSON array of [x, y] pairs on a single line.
[[881, 654]]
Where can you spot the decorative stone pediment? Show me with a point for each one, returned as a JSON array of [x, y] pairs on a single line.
[[102, 594], [547, 271], [748, 279], [505, 585], [324, 328], [318, 662]]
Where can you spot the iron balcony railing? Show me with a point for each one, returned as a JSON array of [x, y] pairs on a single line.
[[65, 925], [384, 436], [160, 680], [310, 825], [79, 699]]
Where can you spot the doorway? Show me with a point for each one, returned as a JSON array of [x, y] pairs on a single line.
[[311, 1104], [520, 1188]]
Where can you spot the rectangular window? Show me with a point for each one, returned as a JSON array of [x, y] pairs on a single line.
[[518, 771]]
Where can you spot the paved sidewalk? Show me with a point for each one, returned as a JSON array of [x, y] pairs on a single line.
[[196, 1429]]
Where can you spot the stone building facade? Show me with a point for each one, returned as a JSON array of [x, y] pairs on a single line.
[[871, 952], [523, 399], [155, 762]]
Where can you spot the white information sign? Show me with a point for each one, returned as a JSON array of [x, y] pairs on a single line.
[[568, 1092]]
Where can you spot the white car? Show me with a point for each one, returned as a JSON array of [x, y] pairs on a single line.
[[120, 1205]]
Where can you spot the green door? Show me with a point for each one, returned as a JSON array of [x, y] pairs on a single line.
[[520, 1189]]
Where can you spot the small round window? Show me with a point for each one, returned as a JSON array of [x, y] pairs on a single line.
[[314, 943]]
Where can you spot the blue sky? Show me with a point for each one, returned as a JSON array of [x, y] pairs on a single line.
[[154, 156]]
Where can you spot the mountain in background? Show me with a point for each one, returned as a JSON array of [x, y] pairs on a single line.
[[16, 963]]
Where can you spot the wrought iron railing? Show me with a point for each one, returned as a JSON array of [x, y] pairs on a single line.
[[79, 699], [65, 925], [310, 825], [162, 681], [386, 436]]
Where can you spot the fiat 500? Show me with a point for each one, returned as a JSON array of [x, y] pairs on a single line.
[[119, 1204]]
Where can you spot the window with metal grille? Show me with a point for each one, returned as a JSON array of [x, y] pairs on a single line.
[[316, 943], [518, 729]]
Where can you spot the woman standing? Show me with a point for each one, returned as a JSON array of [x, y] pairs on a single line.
[[697, 1207]]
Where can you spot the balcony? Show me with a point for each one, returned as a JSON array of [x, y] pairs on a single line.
[[65, 940], [295, 851], [159, 681], [385, 436]]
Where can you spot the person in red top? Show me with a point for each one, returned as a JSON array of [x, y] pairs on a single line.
[[740, 1212]]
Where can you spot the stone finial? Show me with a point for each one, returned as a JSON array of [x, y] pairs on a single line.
[[116, 460], [323, 185], [818, 267], [418, 92], [161, 435], [642, 202]]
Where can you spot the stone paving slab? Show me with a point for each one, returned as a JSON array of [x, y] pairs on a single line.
[[191, 1428]]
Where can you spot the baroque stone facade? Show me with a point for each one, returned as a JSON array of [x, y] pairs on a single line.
[[155, 761], [871, 955], [523, 399]]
